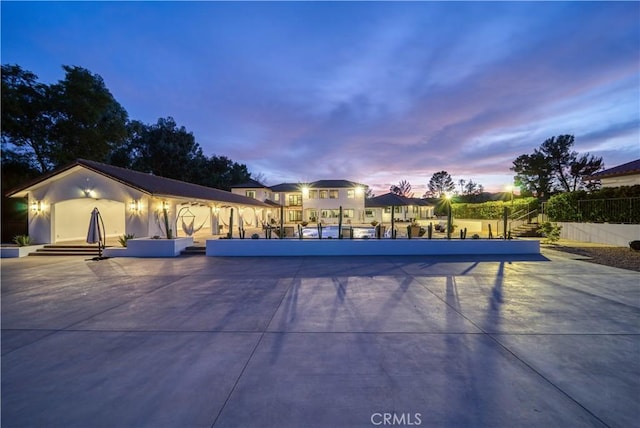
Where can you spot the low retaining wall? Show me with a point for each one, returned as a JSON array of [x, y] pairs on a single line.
[[601, 233], [14, 252], [148, 247], [367, 247]]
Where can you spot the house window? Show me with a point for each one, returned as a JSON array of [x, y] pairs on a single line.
[[313, 194], [250, 194], [313, 215], [368, 213], [324, 194], [333, 194], [330, 213], [387, 210], [348, 213], [276, 197], [295, 215], [351, 194], [295, 200]]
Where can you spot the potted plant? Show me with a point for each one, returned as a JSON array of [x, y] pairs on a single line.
[[374, 223], [413, 230]]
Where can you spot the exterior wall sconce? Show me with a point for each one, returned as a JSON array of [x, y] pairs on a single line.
[[165, 205], [134, 206], [359, 191], [37, 207]]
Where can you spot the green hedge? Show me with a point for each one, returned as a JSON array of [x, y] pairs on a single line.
[[608, 205], [493, 210]]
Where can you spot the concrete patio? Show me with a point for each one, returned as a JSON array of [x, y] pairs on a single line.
[[501, 341]]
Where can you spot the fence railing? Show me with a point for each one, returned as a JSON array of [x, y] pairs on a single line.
[[615, 210], [620, 210]]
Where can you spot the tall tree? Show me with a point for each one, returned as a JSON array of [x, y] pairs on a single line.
[[163, 149], [171, 151], [555, 165], [54, 125], [89, 123], [472, 188], [26, 119], [533, 174], [403, 188], [462, 183], [441, 183]]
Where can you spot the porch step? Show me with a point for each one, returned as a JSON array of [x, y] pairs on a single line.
[[526, 230], [66, 250], [194, 251]]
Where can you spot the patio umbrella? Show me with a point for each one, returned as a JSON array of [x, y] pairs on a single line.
[[96, 232]]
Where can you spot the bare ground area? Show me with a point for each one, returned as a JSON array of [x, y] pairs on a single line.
[[619, 257]]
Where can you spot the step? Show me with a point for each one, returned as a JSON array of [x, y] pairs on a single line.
[[194, 250], [66, 250]]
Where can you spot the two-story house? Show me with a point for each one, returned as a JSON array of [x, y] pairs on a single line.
[[319, 201]]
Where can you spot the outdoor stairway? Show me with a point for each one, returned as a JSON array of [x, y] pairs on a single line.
[[194, 251], [67, 250], [526, 230]]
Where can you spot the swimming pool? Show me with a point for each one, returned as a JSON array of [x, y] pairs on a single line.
[[331, 232]]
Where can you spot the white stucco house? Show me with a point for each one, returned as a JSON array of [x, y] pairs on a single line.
[[131, 202], [311, 202], [320, 201], [627, 174]]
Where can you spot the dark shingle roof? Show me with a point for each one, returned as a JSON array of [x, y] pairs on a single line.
[[320, 184], [251, 184], [391, 199], [286, 187], [151, 184], [628, 168], [388, 200], [333, 184]]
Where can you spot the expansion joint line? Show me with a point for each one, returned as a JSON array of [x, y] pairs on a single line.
[[255, 348], [524, 363]]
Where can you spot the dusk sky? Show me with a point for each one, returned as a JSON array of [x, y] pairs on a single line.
[[370, 92]]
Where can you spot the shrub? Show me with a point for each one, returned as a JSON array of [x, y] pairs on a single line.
[[124, 238], [492, 210], [551, 232], [610, 204], [22, 240], [255, 236]]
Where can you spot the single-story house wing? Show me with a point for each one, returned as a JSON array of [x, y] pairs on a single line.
[[130, 202]]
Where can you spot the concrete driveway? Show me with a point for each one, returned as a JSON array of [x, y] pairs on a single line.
[[319, 342]]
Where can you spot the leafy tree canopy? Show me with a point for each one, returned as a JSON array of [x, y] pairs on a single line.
[[555, 166], [51, 125], [440, 184], [47, 126], [403, 188]]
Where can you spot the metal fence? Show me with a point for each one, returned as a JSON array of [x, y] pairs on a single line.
[[620, 210]]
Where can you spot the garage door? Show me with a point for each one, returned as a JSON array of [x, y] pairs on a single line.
[[71, 218]]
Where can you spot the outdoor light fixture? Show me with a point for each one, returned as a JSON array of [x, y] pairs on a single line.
[[165, 205], [134, 205], [37, 206], [305, 191], [359, 191], [510, 190]]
